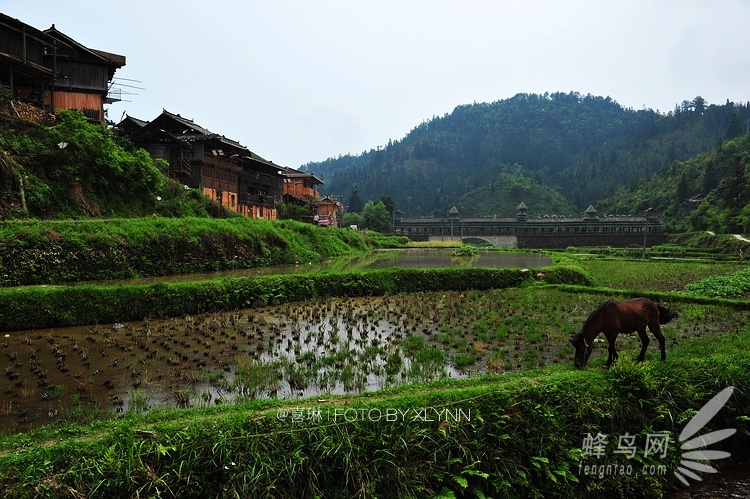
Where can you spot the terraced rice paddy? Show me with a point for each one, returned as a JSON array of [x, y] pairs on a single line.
[[304, 349]]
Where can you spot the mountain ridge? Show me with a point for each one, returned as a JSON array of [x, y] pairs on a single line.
[[585, 148]]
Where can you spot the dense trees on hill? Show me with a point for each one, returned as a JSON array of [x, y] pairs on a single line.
[[708, 192], [557, 153], [583, 148]]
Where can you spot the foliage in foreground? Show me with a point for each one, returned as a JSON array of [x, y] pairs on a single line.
[[727, 286]]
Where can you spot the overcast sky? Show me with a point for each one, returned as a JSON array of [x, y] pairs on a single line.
[[299, 81]]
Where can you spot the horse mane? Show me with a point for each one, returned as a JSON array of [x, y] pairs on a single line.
[[595, 314]]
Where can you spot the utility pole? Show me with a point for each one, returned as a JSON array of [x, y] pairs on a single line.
[[645, 231]]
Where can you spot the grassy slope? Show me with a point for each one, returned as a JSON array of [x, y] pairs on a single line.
[[51, 252]]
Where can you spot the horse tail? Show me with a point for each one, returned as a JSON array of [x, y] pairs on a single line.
[[666, 314]]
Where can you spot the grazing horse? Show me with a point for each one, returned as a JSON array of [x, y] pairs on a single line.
[[613, 318]]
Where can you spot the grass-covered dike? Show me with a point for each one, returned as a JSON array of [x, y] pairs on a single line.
[[54, 252], [43, 307]]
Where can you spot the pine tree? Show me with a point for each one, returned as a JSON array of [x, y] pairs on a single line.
[[355, 204], [734, 129]]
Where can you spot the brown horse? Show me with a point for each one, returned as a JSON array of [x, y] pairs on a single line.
[[613, 318]]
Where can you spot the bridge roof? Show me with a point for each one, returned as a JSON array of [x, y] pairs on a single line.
[[529, 220]]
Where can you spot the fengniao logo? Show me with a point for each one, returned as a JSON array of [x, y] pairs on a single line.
[[694, 458], [691, 457]]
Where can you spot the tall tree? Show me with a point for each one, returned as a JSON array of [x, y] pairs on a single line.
[[375, 217], [699, 104], [389, 203], [355, 204], [734, 129]]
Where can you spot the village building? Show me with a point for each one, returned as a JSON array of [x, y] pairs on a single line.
[[329, 211], [47, 70], [300, 186], [223, 169], [50, 70]]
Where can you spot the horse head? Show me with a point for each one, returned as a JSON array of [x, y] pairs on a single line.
[[666, 314], [671, 314], [583, 350]]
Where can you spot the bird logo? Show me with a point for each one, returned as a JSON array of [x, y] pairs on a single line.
[[695, 455]]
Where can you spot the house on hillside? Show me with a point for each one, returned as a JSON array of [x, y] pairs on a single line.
[[327, 208], [84, 77], [51, 70], [23, 55], [300, 185], [300, 189], [221, 168]]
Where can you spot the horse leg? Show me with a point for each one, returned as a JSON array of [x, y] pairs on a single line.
[[612, 349], [644, 344], [656, 330]]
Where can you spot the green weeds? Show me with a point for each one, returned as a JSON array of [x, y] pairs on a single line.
[[512, 436], [52, 252], [734, 285]]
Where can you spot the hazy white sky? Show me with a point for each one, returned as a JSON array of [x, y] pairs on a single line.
[[298, 81]]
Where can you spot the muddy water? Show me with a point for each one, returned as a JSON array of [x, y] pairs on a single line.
[[732, 481], [335, 346], [304, 349], [343, 346], [310, 348]]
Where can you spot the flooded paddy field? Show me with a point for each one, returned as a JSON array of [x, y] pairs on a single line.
[[422, 258], [304, 349]]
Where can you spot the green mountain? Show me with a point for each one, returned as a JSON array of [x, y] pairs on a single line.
[[502, 195], [585, 148], [708, 192]]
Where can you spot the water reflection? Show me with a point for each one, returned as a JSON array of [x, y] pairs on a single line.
[[341, 345], [381, 259], [329, 346]]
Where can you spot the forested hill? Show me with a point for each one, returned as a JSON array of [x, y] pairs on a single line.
[[582, 147], [708, 192]]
